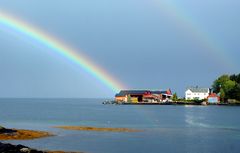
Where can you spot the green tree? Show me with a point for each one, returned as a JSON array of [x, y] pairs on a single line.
[[235, 78], [219, 83], [235, 92], [175, 97], [228, 85], [222, 95]]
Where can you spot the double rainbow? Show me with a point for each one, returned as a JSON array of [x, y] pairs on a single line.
[[60, 48], [177, 14]]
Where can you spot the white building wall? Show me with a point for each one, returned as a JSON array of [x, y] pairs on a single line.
[[189, 95]]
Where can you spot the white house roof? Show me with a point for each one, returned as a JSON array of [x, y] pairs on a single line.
[[198, 89]]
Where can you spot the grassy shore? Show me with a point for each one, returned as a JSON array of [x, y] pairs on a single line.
[[19, 134], [88, 128]]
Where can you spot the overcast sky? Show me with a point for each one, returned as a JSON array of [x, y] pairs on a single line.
[[153, 44]]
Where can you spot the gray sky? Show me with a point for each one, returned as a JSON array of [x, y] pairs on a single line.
[[143, 43]]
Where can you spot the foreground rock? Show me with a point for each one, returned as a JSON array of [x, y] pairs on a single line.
[[88, 128], [18, 134], [9, 148], [4, 130]]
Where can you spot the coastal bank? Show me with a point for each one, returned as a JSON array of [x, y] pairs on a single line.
[[194, 96], [10, 148], [20, 134]]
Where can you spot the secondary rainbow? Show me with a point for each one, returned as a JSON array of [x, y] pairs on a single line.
[[59, 47], [213, 48]]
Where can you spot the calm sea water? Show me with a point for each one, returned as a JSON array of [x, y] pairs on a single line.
[[167, 129]]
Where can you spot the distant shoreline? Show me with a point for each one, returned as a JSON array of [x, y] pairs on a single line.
[[184, 103], [174, 103]]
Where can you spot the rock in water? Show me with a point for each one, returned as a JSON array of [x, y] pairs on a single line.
[[4, 130], [9, 148], [1, 129], [26, 150]]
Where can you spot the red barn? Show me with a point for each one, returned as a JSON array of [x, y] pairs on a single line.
[[143, 96]]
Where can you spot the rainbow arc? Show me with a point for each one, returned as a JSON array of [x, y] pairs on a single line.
[[60, 48]]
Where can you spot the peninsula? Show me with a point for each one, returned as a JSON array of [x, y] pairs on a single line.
[[99, 129], [19, 134]]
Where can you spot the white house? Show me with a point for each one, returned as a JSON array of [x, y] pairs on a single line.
[[196, 93]]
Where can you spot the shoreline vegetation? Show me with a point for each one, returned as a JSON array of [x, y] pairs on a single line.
[[20, 134], [225, 91], [99, 129], [197, 103]]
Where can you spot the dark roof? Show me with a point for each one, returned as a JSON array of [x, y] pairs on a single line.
[[137, 92], [159, 92], [198, 89]]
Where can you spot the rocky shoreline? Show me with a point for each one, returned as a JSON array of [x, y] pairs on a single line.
[[20, 134], [16, 134], [9, 148]]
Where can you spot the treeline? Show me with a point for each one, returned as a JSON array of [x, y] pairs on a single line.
[[228, 86]]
